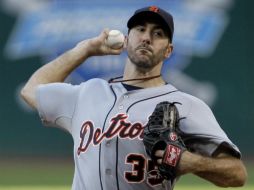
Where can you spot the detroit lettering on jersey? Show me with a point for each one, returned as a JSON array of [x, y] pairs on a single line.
[[118, 127]]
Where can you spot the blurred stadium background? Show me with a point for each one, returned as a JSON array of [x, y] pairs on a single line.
[[213, 59]]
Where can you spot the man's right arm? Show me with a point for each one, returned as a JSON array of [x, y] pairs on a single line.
[[58, 69]]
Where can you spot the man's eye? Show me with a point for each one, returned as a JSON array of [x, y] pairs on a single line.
[[159, 34], [140, 28]]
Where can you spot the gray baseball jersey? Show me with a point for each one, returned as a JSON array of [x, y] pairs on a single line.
[[106, 122]]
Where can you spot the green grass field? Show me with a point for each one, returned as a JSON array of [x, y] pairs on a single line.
[[50, 174], [179, 187]]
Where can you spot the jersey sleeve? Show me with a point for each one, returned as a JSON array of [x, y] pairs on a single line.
[[56, 104], [203, 134]]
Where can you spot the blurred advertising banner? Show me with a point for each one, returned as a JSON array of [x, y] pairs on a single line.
[[220, 72], [52, 27]]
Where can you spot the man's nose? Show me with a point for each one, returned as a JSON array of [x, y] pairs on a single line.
[[146, 38]]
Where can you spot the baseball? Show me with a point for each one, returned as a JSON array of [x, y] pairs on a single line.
[[115, 39]]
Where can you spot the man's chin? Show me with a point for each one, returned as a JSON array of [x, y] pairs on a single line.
[[143, 58], [144, 64], [142, 61]]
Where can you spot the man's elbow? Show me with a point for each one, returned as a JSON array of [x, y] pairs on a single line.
[[28, 96], [24, 94], [240, 177]]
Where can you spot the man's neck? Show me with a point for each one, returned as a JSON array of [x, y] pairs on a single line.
[[147, 84], [132, 72]]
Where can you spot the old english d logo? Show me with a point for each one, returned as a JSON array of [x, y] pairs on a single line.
[[154, 9]]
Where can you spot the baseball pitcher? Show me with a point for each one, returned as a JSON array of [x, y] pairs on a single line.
[[139, 132]]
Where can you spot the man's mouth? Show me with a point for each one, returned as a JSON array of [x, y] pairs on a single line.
[[145, 49]]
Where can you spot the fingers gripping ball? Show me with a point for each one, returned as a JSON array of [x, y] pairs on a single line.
[[162, 133], [115, 39]]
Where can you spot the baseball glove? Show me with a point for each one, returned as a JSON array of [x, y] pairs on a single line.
[[162, 133]]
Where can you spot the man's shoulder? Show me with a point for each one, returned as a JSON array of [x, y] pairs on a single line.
[[95, 84], [95, 81], [186, 97], [190, 97]]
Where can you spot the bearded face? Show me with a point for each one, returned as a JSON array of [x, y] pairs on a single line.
[[148, 45]]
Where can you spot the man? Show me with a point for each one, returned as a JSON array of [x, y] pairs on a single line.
[[106, 120]]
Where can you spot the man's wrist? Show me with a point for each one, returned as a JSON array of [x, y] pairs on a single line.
[[189, 163]]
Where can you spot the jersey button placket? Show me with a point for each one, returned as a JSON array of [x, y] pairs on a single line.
[[108, 165], [120, 107], [108, 171], [108, 142]]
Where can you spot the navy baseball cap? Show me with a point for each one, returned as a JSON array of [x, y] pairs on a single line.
[[153, 12]]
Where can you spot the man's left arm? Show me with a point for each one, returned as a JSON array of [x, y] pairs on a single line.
[[222, 165], [223, 169]]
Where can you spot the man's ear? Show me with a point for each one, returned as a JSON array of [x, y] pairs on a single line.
[[125, 42], [169, 50]]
